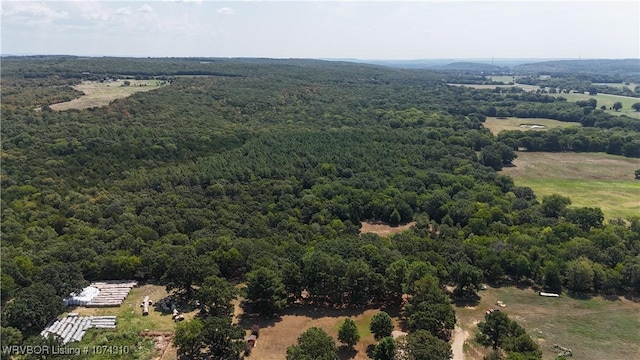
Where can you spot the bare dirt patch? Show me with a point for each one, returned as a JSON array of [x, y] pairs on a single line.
[[382, 229], [98, 94], [532, 124]]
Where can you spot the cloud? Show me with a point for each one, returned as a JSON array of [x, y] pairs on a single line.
[[226, 11], [146, 9], [31, 13]]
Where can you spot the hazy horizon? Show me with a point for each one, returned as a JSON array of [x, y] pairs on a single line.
[[358, 30]]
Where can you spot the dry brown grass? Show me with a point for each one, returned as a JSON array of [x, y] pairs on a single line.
[[98, 94], [382, 229]]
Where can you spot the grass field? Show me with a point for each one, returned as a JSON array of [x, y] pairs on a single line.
[[631, 86], [496, 125], [608, 100], [589, 179], [100, 94], [592, 328]]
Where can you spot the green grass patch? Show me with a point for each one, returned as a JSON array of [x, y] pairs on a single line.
[[500, 124], [608, 101], [592, 328], [505, 79], [589, 179]]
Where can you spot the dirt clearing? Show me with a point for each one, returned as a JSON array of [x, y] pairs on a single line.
[[98, 94], [382, 229]]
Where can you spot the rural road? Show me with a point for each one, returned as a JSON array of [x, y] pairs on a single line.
[[459, 337]]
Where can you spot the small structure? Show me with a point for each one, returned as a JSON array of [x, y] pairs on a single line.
[[145, 306], [542, 293], [252, 340]]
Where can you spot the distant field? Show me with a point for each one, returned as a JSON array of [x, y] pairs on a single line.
[[608, 100], [505, 79], [589, 179], [593, 329], [631, 86], [100, 94], [522, 86], [496, 125]]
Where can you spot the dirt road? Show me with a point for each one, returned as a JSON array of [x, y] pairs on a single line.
[[459, 337]]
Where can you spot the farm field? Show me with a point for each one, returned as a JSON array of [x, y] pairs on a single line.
[[608, 100], [593, 328], [503, 78], [496, 124], [100, 94], [589, 179], [631, 86]]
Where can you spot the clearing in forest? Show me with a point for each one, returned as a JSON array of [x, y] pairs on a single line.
[[383, 229], [276, 335], [593, 328], [98, 94], [499, 124], [589, 179]]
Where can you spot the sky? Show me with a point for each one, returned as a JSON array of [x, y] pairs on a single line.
[[323, 29]]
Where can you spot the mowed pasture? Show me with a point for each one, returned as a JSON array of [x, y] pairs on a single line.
[[500, 124], [98, 94], [589, 179], [608, 101], [593, 328]]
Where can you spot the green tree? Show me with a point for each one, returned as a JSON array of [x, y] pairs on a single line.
[[636, 106], [466, 277], [553, 205], [266, 290], [579, 275], [215, 296], [394, 218], [637, 174], [188, 338], [617, 105], [32, 308], [381, 325], [223, 339], [348, 333], [585, 217], [493, 330], [184, 270], [422, 345], [313, 344], [10, 336], [385, 349]]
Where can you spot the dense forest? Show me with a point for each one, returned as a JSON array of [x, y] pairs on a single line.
[[262, 171]]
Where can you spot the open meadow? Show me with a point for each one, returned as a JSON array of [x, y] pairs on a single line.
[[589, 179], [102, 93], [481, 86], [499, 124], [608, 101], [593, 328]]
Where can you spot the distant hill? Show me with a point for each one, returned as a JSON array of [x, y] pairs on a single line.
[[474, 67], [618, 66]]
